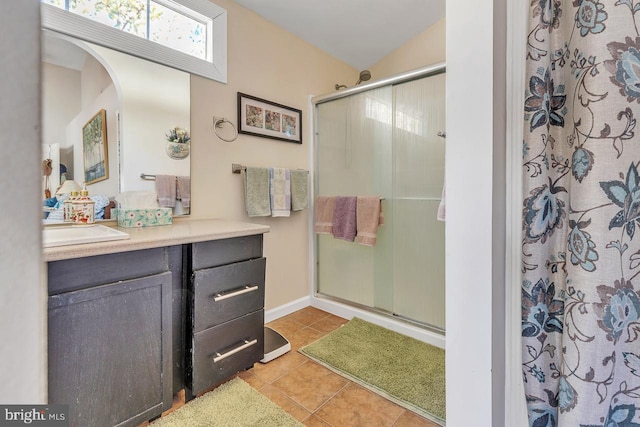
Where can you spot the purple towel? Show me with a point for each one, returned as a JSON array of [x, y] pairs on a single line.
[[344, 218]]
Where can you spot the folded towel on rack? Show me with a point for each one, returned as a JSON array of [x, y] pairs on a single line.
[[183, 190], [344, 218], [368, 218], [299, 189], [166, 189], [323, 214], [280, 191], [256, 191]]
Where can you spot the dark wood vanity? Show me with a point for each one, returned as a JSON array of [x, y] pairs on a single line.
[[128, 330]]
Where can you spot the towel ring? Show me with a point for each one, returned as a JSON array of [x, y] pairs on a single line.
[[218, 122]]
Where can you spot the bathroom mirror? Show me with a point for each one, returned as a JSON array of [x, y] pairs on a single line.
[[142, 101]]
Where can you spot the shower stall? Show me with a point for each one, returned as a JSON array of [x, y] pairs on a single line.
[[386, 138]]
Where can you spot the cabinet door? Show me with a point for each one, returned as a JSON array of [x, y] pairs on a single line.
[[110, 351]]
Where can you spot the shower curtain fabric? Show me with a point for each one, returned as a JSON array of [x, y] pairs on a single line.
[[581, 214]]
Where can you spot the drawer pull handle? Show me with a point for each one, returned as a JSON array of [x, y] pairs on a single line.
[[218, 357], [246, 289]]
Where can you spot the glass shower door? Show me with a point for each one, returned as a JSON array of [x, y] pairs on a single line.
[[418, 177], [352, 156], [384, 142]]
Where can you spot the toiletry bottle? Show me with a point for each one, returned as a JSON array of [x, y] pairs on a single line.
[[67, 206], [83, 208]]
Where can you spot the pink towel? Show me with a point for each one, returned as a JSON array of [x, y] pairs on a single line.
[[323, 214], [369, 217], [344, 218], [166, 189]]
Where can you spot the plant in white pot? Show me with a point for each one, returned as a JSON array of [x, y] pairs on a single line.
[[178, 143]]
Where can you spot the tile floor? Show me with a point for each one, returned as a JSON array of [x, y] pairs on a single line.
[[312, 393]]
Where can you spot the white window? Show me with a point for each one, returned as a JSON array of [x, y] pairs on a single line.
[[190, 35]]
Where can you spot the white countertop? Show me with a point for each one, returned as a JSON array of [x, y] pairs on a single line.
[[178, 233]]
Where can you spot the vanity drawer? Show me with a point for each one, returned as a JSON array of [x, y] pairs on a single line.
[[224, 293], [224, 350], [80, 273], [215, 253]]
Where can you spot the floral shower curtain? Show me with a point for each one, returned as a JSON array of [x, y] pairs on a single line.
[[581, 214]]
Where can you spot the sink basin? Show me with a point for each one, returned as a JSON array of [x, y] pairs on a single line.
[[75, 234]]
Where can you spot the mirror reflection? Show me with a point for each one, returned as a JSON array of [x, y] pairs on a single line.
[[113, 123]]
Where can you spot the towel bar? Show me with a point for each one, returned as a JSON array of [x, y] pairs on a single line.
[[238, 168], [147, 177]]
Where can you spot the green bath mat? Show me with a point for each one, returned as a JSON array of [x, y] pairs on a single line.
[[235, 403], [402, 369]]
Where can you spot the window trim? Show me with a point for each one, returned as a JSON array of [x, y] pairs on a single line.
[[71, 24]]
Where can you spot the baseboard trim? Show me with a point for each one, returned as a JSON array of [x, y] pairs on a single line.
[[288, 308], [348, 312]]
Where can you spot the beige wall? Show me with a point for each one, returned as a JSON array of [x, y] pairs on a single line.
[[426, 48], [60, 102], [267, 62]]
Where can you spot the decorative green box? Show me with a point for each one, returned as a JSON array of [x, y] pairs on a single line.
[[151, 217]]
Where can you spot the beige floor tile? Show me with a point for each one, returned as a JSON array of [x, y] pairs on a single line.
[[409, 419], [313, 421], [285, 326], [253, 380], [303, 337], [310, 385], [328, 324], [356, 406], [307, 315], [283, 401], [271, 371]]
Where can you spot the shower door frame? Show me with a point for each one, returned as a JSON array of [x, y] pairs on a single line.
[[433, 333]]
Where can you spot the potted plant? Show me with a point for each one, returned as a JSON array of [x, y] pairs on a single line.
[[178, 143]]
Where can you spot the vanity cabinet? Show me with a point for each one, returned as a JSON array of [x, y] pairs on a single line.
[[226, 310], [110, 336], [128, 330]]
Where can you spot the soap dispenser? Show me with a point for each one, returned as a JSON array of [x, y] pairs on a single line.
[[83, 208]]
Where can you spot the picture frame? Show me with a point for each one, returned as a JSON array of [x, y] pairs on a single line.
[[95, 151], [267, 119]]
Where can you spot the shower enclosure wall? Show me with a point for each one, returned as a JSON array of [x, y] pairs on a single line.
[[383, 140]]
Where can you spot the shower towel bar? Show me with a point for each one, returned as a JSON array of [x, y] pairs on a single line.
[[147, 177], [237, 168]]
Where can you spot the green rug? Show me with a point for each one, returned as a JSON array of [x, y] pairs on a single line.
[[402, 369], [235, 403]]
